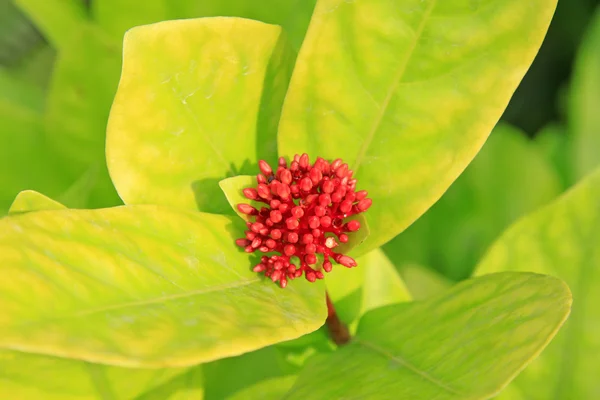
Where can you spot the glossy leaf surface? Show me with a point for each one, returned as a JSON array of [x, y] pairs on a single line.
[[467, 343], [407, 92], [141, 286], [562, 239], [198, 101]]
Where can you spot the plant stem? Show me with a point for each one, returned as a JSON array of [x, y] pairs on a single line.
[[338, 331]]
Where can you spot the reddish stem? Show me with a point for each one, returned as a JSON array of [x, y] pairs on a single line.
[[338, 331]]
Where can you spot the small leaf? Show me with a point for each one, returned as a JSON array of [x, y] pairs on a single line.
[[233, 189], [467, 343], [407, 92], [189, 115], [26, 376], [562, 239], [374, 283], [30, 200], [584, 118], [141, 286]]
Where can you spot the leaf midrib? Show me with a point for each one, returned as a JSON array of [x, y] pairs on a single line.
[[145, 302], [404, 363], [396, 81]]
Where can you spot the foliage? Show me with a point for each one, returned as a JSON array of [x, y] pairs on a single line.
[[153, 300]]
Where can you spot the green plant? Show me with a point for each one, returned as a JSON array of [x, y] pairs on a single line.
[[126, 302]]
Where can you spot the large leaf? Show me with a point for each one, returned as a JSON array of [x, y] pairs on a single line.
[[32, 377], [117, 16], [584, 118], [562, 239], [188, 115], [141, 286], [406, 92], [467, 343], [509, 178]]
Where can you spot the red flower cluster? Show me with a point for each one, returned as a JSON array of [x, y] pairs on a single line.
[[304, 212]]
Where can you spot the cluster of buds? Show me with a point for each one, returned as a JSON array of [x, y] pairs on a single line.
[[304, 214]]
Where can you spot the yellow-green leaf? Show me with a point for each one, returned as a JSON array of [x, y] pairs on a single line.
[[30, 200], [584, 118], [407, 92], [26, 376], [466, 343], [198, 101], [562, 239], [141, 286]]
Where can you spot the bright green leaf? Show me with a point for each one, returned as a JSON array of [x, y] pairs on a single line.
[[18, 92], [562, 239], [467, 343], [508, 178], [423, 282], [185, 386], [407, 92], [212, 91], [25, 162], [554, 143], [268, 389], [82, 88], [248, 369], [141, 286], [30, 200], [32, 377], [373, 283], [233, 190], [584, 118], [57, 19], [117, 16]]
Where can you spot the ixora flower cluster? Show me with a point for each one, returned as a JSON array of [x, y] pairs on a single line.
[[303, 217]]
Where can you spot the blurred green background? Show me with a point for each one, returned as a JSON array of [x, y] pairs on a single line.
[[60, 63]]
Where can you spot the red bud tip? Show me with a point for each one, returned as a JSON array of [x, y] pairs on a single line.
[[243, 242], [364, 204], [247, 209], [347, 261], [353, 226], [250, 193], [265, 168]]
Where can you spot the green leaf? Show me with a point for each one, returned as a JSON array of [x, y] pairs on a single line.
[[374, 283], [248, 369], [233, 189], [554, 143], [57, 19], [406, 92], [83, 85], [563, 240], [30, 200], [213, 90], [18, 92], [509, 178], [185, 386], [141, 286], [25, 161], [32, 377], [467, 343], [423, 282], [584, 119], [268, 389], [117, 16]]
